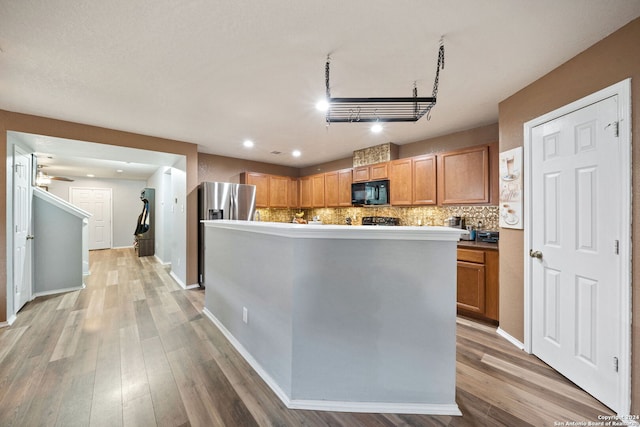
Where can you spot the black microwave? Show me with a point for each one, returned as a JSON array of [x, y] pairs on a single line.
[[370, 193]]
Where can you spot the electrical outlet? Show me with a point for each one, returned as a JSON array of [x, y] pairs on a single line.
[[245, 315]]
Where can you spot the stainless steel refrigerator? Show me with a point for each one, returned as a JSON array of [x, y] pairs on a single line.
[[222, 200]]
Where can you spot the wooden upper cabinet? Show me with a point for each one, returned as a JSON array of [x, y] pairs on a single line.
[[261, 181], [337, 187], [317, 191], [424, 180], [278, 191], [305, 192], [400, 182], [371, 172], [463, 176], [294, 193], [379, 171], [361, 174]]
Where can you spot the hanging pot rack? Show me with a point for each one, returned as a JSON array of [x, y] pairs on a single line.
[[382, 109]]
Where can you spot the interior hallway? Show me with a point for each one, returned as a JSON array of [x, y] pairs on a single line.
[[134, 349]]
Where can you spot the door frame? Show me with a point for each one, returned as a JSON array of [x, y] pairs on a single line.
[[623, 91]]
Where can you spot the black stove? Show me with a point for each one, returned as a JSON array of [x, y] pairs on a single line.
[[380, 220]]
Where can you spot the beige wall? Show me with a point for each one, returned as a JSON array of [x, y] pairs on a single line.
[[10, 121], [228, 169], [611, 60]]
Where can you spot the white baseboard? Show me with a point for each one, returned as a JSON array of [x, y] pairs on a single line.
[[249, 358], [58, 291], [510, 338], [168, 263], [181, 283], [9, 321], [329, 405], [376, 407], [121, 247]]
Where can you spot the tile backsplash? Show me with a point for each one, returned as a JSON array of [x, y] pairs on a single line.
[[415, 215]]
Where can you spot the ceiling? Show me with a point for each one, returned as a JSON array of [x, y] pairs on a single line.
[[215, 73]]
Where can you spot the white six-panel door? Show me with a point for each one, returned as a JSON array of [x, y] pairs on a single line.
[[574, 247], [96, 201], [22, 262]]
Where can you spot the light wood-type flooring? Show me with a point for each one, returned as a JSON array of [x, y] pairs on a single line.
[[134, 349]]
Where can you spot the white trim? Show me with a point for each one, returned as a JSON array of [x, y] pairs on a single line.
[[59, 291], [623, 91], [118, 247], [181, 283], [330, 405], [160, 261], [510, 338], [376, 407], [9, 321], [305, 231], [273, 385]]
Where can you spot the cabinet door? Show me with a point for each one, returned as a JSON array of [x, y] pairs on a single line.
[[294, 193], [332, 189], [344, 187], [305, 192], [401, 188], [424, 180], [317, 191], [261, 181], [378, 171], [471, 287], [361, 174], [278, 191], [463, 176]]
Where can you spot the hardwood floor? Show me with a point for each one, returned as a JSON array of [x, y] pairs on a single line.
[[134, 349]]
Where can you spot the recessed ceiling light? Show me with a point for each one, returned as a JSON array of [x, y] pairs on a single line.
[[119, 171], [248, 143], [296, 153], [90, 175], [376, 128], [322, 105]]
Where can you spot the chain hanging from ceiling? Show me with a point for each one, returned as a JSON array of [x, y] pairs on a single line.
[[382, 109]]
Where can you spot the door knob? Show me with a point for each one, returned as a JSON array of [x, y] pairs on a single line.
[[535, 254], [30, 237]]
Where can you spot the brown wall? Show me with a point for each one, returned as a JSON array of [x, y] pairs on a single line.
[[227, 169], [10, 121], [611, 60], [467, 138]]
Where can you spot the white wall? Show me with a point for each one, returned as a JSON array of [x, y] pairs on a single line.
[[179, 221], [161, 181], [126, 203]]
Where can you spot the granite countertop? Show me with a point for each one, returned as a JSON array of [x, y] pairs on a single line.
[[471, 244]]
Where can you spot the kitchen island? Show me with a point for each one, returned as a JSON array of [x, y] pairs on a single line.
[[340, 318]]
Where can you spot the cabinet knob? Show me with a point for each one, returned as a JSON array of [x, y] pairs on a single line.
[[535, 254]]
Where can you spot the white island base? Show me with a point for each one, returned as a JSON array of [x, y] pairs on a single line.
[[339, 318]]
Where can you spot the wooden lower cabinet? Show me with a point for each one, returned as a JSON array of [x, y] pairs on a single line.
[[478, 271]]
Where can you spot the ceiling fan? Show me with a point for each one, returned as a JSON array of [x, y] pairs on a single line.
[[43, 179]]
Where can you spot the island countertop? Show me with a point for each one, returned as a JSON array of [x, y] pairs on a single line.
[[340, 318], [365, 232]]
